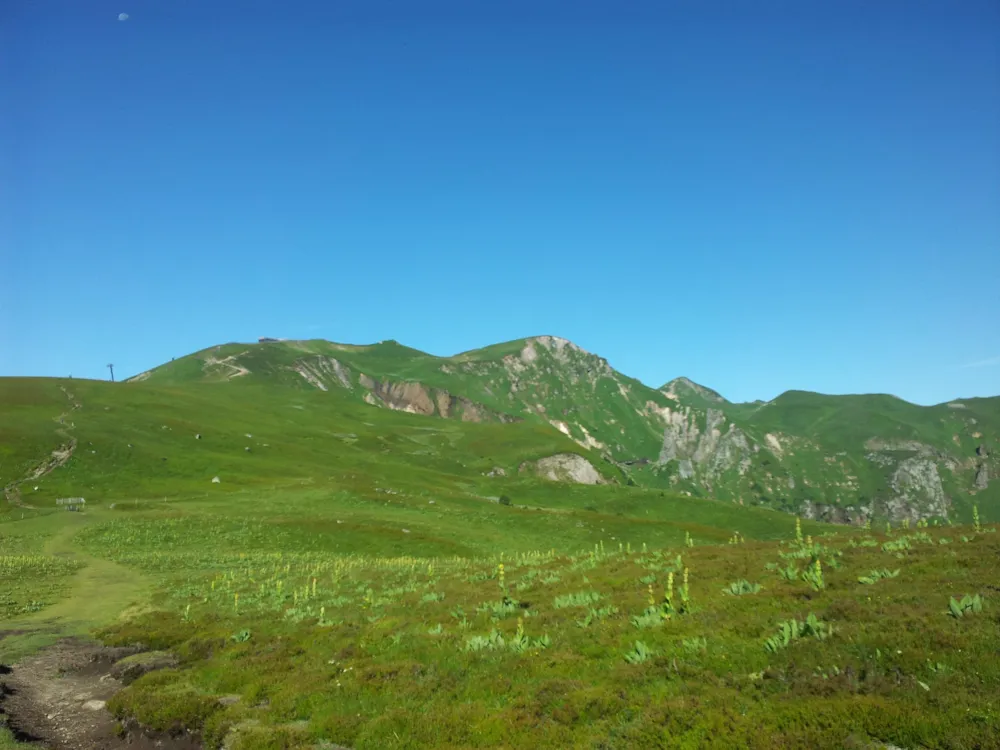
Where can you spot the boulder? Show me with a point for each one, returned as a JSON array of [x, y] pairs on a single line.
[[131, 668], [564, 467]]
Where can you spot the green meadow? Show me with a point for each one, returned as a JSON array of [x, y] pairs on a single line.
[[357, 578]]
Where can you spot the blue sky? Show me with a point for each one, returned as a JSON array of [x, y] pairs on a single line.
[[757, 195]]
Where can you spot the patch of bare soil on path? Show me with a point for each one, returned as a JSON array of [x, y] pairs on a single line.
[[56, 700]]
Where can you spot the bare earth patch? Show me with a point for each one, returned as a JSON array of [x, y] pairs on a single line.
[[56, 700]]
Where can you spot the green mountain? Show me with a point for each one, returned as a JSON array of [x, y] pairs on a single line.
[[835, 458], [307, 545], [311, 461]]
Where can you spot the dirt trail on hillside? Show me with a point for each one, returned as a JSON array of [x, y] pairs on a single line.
[[56, 697], [58, 458], [235, 370], [56, 700]]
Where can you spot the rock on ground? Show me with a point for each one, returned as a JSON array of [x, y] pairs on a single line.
[[565, 467]]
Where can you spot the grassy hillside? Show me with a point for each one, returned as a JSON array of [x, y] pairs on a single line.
[[544, 379], [296, 619], [174, 440], [307, 469], [839, 458], [141, 444], [622, 646], [357, 579]]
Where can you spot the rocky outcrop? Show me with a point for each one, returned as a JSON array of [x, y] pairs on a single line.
[[710, 452], [410, 397], [131, 668], [982, 477], [917, 491], [678, 388], [417, 398], [564, 467], [545, 355], [703, 450], [828, 513], [458, 407], [903, 446], [320, 372], [881, 452]]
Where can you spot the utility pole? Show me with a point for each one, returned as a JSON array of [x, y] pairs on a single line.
[[112, 368]]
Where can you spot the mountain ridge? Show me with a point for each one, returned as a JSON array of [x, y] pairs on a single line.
[[560, 344], [845, 458], [477, 353]]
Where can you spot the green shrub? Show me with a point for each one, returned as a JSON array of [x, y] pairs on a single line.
[[639, 653], [875, 576], [966, 606], [581, 599], [793, 629], [741, 587]]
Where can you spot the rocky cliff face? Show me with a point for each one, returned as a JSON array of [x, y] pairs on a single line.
[[682, 389], [982, 477], [982, 468], [704, 451], [551, 379], [323, 373], [704, 454], [916, 491], [417, 398]]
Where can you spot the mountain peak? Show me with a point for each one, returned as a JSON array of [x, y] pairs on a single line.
[[680, 387], [555, 343]]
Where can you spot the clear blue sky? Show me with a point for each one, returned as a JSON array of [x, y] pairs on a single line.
[[758, 195]]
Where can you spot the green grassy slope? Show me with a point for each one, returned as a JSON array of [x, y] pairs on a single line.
[[28, 424], [138, 444], [323, 472], [342, 582], [313, 470], [840, 458], [139, 439], [547, 650], [572, 386]]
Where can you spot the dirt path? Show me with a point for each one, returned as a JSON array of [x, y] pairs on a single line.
[[56, 700], [235, 370], [101, 590], [98, 594], [59, 457], [55, 697]]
